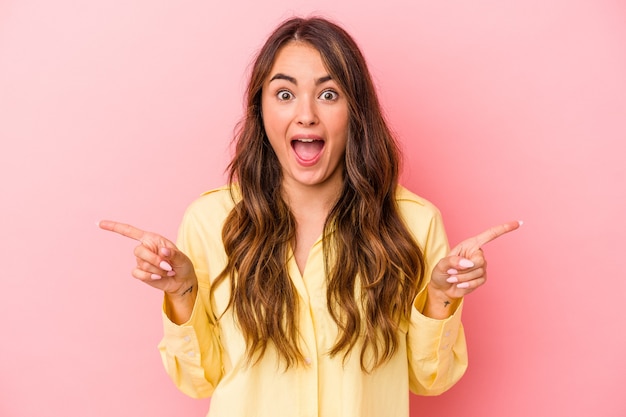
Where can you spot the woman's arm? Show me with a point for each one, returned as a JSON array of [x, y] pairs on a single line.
[[436, 345]]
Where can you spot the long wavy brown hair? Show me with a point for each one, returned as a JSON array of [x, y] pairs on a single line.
[[373, 287]]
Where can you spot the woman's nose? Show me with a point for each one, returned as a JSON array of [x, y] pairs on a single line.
[[307, 114]]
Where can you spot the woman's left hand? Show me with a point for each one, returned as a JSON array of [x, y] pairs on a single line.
[[465, 267]]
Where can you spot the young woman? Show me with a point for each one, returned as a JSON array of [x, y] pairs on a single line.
[[312, 284]]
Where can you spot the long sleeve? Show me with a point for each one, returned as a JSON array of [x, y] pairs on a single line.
[[192, 353], [437, 352], [436, 349]]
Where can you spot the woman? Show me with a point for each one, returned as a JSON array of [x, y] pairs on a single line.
[[312, 284]]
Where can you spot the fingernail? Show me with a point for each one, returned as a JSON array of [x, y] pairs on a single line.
[[452, 271], [165, 251], [171, 273], [521, 222], [452, 280], [165, 266], [155, 276], [463, 285], [466, 263]]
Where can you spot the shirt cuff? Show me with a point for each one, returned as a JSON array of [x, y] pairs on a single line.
[[433, 335], [183, 338]]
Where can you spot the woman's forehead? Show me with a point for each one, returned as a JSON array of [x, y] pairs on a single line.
[[298, 60]]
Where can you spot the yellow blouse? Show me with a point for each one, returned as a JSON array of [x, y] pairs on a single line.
[[209, 360]]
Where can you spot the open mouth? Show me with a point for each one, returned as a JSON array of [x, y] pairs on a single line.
[[307, 149]]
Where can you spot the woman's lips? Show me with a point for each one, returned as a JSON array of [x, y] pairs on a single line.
[[307, 149]]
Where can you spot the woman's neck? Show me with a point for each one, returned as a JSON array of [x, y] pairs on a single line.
[[311, 201], [310, 206]]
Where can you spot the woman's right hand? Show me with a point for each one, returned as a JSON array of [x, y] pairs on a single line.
[[160, 263]]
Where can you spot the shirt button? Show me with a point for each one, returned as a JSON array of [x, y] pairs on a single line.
[[447, 334], [186, 338], [445, 347], [191, 353], [307, 361]]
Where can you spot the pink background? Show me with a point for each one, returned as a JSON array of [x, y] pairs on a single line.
[[124, 110]]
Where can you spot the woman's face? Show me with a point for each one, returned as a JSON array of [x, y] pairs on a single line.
[[305, 116]]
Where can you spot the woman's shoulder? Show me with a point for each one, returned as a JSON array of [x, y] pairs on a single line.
[[412, 204], [217, 202], [423, 219], [225, 193]]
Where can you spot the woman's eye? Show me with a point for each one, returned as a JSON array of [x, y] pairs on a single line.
[[284, 95], [329, 95]]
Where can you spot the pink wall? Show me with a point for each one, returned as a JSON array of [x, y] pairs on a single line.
[[124, 109]]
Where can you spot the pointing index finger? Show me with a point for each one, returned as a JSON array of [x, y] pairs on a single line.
[[471, 245], [122, 229], [495, 232]]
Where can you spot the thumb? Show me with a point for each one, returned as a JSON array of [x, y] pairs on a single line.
[[165, 252], [173, 256]]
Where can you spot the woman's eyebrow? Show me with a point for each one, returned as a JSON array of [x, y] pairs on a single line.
[[281, 76], [322, 80]]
